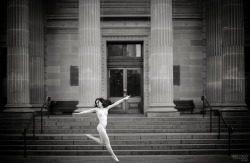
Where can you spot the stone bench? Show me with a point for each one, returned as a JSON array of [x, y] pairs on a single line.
[[63, 107], [184, 105]]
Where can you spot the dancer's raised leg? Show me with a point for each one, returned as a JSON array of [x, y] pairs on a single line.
[[104, 136], [99, 141]]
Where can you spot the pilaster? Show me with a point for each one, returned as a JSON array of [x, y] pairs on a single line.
[[18, 95], [36, 51], [161, 60], [214, 52], [89, 53], [233, 78]]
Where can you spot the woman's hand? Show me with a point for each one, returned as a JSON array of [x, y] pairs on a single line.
[[126, 98]]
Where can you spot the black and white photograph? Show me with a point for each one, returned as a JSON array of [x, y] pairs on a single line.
[[130, 81]]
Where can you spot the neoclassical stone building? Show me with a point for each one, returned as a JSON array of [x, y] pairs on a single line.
[[157, 51]]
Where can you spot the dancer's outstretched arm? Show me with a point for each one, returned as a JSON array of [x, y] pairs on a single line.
[[85, 111], [118, 102]]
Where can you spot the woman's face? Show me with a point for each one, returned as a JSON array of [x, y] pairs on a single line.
[[98, 103]]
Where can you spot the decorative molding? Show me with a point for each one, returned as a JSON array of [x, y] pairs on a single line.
[[125, 32]]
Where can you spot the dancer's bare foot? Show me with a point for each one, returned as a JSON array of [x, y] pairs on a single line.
[[88, 135], [115, 158]]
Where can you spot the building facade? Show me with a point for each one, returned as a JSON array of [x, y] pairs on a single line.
[[157, 51]]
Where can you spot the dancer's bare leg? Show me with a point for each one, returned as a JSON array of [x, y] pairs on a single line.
[[108, 146], [99, 141], [104, 136]]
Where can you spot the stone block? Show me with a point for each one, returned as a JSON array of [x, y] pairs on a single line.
[[62, 62], [181, 55], [197, 49], [58, 75], [52, 82], [58, 89], [196, 68], [196, 62], [69, 43], [176, 36], [57, 37], [192, 36], [184, 62], [196, 42], [192, 75], [185, 81], [176, 49], [196, 81], [191, 88], [74, 50], [197, 55], [185, 49], [65, 82], [179, 42], [65, 69], [58, 50], [53, 69], [73, 37]]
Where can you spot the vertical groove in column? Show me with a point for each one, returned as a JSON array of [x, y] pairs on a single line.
[[233, 53], [18, 53], [161, 60], [36, 51], [214, 51], [89, 52]]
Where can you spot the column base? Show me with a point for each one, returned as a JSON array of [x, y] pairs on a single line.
[[26, 108], [162, 110], [37, 107], [230, 109]]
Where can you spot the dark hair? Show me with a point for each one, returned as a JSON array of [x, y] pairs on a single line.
[[105, 103]]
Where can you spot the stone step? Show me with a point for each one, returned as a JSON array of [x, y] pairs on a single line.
[[86, 131], [128, 119], [128, 136], [126, 142], [112, 127], [131, 119], [123, 152], [130, 159], [71, 127], [126, 147]]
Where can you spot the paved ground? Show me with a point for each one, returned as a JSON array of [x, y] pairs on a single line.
[[130, 159]]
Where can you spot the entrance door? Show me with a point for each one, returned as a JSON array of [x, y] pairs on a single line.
[[123, 82]]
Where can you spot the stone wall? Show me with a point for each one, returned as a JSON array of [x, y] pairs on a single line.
[[189, 53], [62, 47]]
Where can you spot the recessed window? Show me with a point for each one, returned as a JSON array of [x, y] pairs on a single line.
[[124, 49]]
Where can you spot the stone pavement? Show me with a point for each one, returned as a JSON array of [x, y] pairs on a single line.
[[130, 159]]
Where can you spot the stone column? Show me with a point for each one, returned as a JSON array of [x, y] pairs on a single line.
[[233, 78], [89, 53], [214, 52], [161, 60], [18, 96], [36, 50]]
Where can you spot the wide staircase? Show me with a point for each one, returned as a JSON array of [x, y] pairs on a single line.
[[131, 136]]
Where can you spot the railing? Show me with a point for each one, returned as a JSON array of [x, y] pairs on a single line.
[[230, 129], [46, 104], [24, 132]]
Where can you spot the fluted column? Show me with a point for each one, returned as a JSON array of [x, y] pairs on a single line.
[[36, 50], [161, 59], [214, 52], [233, 78], [18, 95], [89, 52]]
